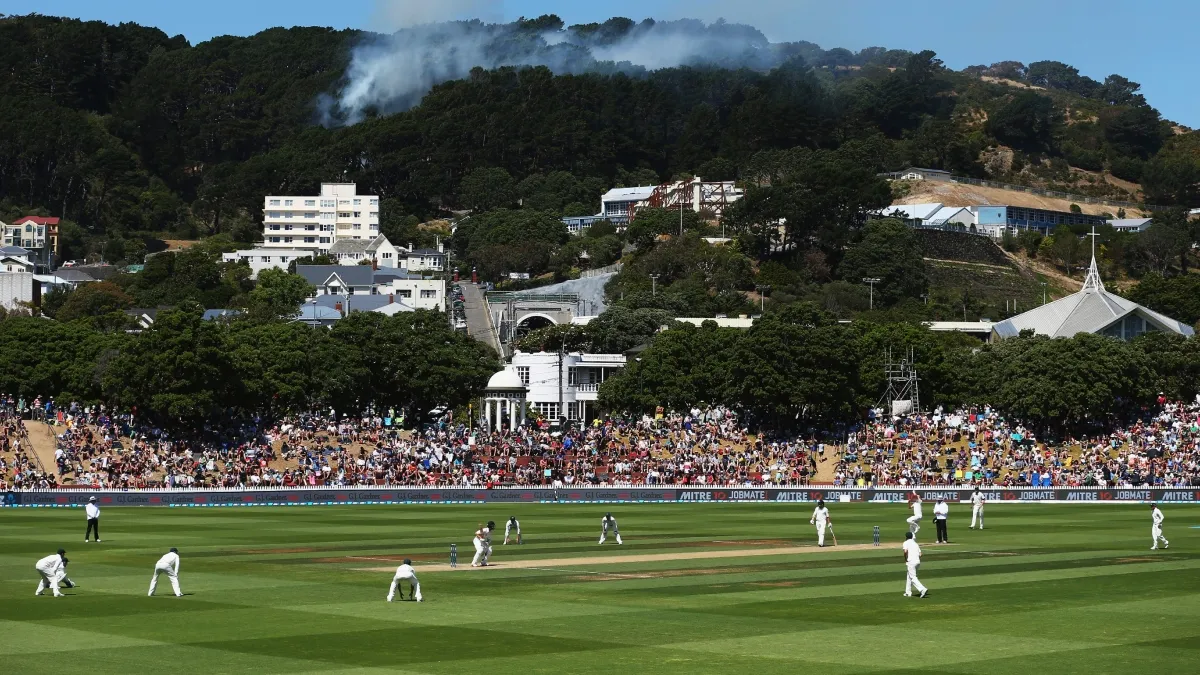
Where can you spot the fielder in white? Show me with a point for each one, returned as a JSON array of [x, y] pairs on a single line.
[[820, 518], [52, 570], [914, 521], [168, 565], [912, 560], [606, 522], [977, 501], [483, 544], [1156, 521], [510, 526], [403, 572]]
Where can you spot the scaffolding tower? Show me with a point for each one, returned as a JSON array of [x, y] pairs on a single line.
[[903, 395]]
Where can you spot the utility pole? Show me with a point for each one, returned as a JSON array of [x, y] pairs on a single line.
[[925, 297], [561, 412], [1043, 292], [762, 289], [654, 285], [871, 281]]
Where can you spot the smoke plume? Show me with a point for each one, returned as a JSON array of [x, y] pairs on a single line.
[[391, 73]]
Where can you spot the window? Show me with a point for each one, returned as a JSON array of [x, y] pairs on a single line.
[[310, 202], [357, 202], [310, 240], [358, 214], [374, 201], [311, 215], [386, 256], [343, 214], [324, 240], [572, 376], [327, 216], [428, 295], [266, 258], [343, 202], [404, 293], [357, 226], [274, 202], [328, 204], [523, 373], [374, 227], [287, 240], [274, 240], [287, 228], [375, 215], [287, 202]]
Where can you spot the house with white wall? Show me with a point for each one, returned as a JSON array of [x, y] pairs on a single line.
[[578, 386]]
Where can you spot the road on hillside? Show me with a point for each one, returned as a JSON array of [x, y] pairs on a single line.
[[479, 325]]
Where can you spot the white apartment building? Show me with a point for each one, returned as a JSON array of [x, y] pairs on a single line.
[[580, 382], [263, 258], [316, 222]]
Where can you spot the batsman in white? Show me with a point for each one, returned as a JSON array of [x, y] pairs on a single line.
[[606, 522], [1156, 521], [483, 544], [403, 572], [168, 565], [914, 521], [977, 501], [511, 525], [820, 518], [912, 560], [52, 569]]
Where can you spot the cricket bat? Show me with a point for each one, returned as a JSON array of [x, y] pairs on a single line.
[[834, 535]]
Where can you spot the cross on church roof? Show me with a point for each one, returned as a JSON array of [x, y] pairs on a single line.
[[1092, 282]]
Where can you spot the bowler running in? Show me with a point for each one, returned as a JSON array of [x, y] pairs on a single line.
[[820, 518], [404, 572], [1156, 521], [914, 521], [51, 569], [606, 522], [168, 565]]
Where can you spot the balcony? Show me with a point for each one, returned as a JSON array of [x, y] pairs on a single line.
[[587, 392]]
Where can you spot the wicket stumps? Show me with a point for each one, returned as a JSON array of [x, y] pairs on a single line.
[[876, 535], [454, 552]]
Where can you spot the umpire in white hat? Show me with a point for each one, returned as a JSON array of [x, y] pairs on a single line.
[[93, 518]]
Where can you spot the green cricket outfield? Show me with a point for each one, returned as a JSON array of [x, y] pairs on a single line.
[[696, 588]]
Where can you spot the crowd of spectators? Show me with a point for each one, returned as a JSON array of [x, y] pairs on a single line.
[[98, 447]]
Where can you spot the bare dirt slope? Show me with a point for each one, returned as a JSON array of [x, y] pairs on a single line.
[[962, 194], [41, 435]]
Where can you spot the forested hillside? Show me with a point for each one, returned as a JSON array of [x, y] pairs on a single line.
[[133, 136]]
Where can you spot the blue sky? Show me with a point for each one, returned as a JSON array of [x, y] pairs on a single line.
[[1147, 42]]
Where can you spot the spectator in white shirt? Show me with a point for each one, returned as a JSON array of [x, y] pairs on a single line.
[[168, 565]]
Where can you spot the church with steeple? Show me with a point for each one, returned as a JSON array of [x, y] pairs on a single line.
[[1092, 310]]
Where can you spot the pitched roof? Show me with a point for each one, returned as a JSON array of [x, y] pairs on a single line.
[[14, 251], [36, 220], [1091, 310], [344, 245], [352, 275], [394, 309], [913, 211], [73, 275], [628, 194], [426, 252], [355, 303]]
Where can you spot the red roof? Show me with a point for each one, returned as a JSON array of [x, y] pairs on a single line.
[[37, 220]]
